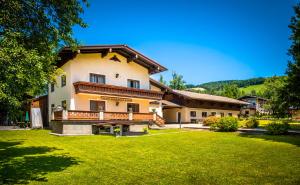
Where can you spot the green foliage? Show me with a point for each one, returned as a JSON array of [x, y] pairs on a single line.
[[251, 123], [275, 92], [31, 33], [226, 124], [254, 90], [277, 128], [145, 130], [177, 82], [219, 85], [231, 91], [211, 120], [117, 130], [162, 80], [292, 87]]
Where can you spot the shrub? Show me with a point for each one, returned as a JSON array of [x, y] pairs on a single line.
[[277, 128], [117, 130], [145, 130], [251, 123], [210, 120], [226, 124]]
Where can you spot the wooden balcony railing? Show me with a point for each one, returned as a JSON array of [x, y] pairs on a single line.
[[76, 115], [104, 89]]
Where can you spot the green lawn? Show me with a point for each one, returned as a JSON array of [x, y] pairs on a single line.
[[166, 157], [262, 123], [248, 89]]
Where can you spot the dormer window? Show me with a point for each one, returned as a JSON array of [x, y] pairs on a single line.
[[96, 78], [133, 84]]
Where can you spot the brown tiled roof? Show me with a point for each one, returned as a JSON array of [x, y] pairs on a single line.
[[159, 85], [67, 53], [209, 97]]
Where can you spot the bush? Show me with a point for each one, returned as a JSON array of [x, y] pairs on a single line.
[[226, 124], [145, 130], [117, 130], [251, 123], [210, 120], [277, 128]]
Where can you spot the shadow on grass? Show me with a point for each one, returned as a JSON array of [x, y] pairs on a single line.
[[20, 165], [291, 139]]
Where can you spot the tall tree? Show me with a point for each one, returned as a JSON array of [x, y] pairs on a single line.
[[31, 32], [162, 80], [274, 92], [177, 82], [293, 71], [231, 91]]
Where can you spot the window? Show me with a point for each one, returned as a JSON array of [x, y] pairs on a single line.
[[64, 104], [229, 114], [96, 78], [52, 107], [52, 87], [246, 112], [222, 114], [213, 113], [133, 84], [134, 107], [204, 114], [63, 80], [194, 121], [193, 113], [97, 105]]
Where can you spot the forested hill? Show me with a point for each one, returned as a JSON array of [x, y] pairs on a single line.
[[218, 85]]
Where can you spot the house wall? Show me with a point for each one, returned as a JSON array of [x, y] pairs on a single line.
[[170, 115], [154, 88], [61, 93], [79, 69], [83, 103]]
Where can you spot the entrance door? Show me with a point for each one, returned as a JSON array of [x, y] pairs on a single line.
[[97, 105], [178, 117]]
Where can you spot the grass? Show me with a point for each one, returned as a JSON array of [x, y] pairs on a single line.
[[263, 123], [168, 157], [250, 88]]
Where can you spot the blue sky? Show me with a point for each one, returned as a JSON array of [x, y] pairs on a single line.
[[202, 40]]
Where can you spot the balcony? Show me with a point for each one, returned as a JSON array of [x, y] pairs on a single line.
[[104, 89], [106, 117]]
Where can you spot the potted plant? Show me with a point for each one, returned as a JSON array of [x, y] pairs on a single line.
[[145, 130], [117, 131]]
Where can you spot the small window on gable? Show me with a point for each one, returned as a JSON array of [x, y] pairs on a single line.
[[52, 87], [115, 58], [63, 80]]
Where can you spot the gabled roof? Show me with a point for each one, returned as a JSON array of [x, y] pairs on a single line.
[[159, 85], [208, 97], [67, 53], [248, 96]]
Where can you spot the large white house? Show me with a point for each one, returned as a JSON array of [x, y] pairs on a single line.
[[106, 84]]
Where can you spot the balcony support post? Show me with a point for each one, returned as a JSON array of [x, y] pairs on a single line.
[[65, 114], [130, 116], [154, 116], [101, 115]]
